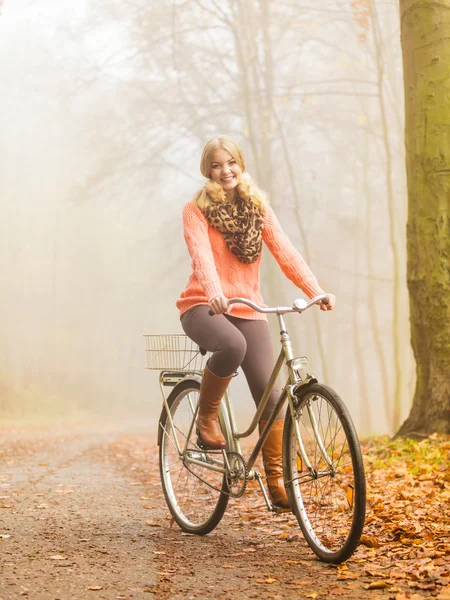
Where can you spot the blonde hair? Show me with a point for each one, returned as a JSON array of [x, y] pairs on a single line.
[[214, 192]]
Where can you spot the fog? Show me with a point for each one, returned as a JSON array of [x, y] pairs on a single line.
[[105, 108]]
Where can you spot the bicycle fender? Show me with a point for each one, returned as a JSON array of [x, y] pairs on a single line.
[[310, 379]]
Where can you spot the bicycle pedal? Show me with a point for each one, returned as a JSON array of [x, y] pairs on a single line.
[[200, 441], [204, 446], [201, 444]]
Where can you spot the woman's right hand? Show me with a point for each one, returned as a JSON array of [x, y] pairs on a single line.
[[219, 305], [329, 304]]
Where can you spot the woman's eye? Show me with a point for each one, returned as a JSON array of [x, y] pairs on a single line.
[[232, 162]]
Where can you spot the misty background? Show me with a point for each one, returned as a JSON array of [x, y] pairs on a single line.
[[105, 107]]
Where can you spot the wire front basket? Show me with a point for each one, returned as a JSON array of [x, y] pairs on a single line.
[[173, 352]]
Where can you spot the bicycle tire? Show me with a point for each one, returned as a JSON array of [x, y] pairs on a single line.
[[196, 507], [330, 508]]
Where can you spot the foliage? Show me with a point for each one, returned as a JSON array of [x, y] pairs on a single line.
[[409, 511]]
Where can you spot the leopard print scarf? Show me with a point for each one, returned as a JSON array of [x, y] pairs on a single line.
[[241, 225]]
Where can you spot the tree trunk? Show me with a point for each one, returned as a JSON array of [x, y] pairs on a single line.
[[426, 59]]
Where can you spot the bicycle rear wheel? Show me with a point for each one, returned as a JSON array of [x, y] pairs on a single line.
[[329, 499], [195, 494]]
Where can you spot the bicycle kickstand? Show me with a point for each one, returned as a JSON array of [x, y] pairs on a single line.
[[270, 506]]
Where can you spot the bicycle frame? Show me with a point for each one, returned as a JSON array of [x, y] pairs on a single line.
[[226, 414], [293, 382]]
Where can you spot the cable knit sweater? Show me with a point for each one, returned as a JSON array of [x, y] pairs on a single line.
[[216, 271]]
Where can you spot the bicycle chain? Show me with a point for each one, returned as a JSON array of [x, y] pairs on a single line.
[[241, 489]]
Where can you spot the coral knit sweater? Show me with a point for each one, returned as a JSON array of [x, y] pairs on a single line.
[[217, 272]]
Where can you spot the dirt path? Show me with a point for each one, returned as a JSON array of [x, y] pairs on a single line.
[[70, 521], [83, 516]]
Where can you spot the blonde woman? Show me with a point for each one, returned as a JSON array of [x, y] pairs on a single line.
[[224, 227]]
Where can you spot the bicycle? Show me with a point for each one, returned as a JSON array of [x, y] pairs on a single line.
[[322, 463]]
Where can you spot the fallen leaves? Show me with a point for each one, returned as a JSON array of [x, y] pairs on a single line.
[[404, 552], [95, 588], [152, 524], [377, 585], [368, 541], [268, 580], [349, 575]]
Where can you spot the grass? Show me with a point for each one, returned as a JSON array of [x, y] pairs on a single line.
[[418, 457]]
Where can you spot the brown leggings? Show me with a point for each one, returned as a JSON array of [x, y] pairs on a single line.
[[235, 342]]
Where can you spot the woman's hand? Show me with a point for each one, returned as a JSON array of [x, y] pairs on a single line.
[[219, 305], [331, 298]]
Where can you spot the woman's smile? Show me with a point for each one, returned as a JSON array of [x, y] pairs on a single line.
[[228, 179]]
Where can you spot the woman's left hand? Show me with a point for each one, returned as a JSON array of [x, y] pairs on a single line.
[[330, 304]]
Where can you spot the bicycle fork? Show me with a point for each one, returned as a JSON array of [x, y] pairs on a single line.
[[295, 379], [317, 436]]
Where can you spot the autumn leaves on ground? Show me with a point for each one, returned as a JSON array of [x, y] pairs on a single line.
[[83, 515]]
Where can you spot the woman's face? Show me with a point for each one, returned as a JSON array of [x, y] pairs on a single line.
[[224, 169]]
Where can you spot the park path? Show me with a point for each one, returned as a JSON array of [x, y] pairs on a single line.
[[71, 525], [82, 515]]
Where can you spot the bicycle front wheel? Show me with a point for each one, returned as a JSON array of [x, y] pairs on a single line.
[[192, 478], [328, 497]]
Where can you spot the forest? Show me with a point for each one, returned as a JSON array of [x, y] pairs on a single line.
[[342, 109]]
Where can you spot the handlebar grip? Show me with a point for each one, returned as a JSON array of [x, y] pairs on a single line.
[[325, 301], [210, 313]]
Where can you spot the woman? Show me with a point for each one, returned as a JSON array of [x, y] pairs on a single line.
[[224, 227]]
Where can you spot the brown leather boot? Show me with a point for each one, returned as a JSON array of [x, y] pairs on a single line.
[[273, 465], [211, 391]]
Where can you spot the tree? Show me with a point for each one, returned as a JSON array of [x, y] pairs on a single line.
[[426, 58]]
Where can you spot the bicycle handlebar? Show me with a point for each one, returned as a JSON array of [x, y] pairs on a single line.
[[300, 305]]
